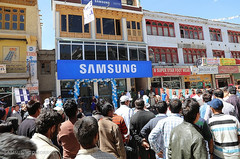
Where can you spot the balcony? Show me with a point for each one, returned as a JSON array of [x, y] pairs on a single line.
[[14, 69]]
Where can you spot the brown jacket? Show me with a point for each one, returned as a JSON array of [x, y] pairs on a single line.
[[110, 139]]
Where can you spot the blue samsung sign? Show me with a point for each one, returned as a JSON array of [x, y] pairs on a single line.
[[105, 3], [91, 69]]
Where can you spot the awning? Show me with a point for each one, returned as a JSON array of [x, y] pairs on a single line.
[[13, 83]]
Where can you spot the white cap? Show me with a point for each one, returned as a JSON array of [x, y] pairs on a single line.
[[125, 98], [59, 110]]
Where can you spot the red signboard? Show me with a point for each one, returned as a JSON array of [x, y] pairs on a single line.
[[171, 71], [228, 69]]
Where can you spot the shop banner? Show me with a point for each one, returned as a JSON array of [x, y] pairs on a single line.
[[228, 69], [227, 61], [207, 70], [171, 71], [3, 68], [237, 61], [91, 69], [211, 61], [105, 3]]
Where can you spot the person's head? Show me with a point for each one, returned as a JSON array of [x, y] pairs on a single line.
[[216, 105], [193, 91], [218, 93], [199, 92], [239, 88], [125, 100], [33, 108], [181, 94], [174, 93], [59, 97], [16, 107], [48, 123], [6, 126], [79, 97], [14, 121], [70, 108], [107, 110], [207, 97], [139, 104], [175, 105], [86, 132], [232, 90], [161, 107], [3, 114], [16, 147], [190, 110], [187, 92]]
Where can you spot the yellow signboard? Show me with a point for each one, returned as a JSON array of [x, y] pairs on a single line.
[[227, 61]]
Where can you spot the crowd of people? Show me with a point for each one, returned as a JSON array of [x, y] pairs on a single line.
[[201, 125]]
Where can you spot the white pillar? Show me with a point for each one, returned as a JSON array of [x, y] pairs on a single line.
[[124, 29], [95, 88]]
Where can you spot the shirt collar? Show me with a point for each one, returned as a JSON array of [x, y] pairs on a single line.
[[174, 114], [88, 151], [161, 115], [31, 117]]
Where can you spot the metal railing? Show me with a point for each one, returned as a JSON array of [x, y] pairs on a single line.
[[16, 66]]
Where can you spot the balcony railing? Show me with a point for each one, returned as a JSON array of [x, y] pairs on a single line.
[[16, 66]]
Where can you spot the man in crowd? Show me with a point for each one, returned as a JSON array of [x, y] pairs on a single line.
[[234, 100], [164, 128], [122, 126], [47, 127], [227, 107], [193, 93], [198, 96], [161, 108], [186, 140], [2, 115], [27, 127], [226, 132], [16, 113], [66, 136], [124, 110], [110, 139], [16, 147], [86, 132], [137, 122], [205, 110]]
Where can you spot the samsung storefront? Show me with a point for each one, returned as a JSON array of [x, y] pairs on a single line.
[[102, 69]]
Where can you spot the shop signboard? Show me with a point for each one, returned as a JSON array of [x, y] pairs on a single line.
[[222, 76], [211, 61], [207, 70], [227, 61], [171, 71], [3, 68], [91, 69], [105, 3], [228, 69]]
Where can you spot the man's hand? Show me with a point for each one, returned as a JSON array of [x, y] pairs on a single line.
[[145, 145], [160, 154]]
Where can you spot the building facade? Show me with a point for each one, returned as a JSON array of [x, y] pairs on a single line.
[[20, 38], [176, 43], [115, 38]]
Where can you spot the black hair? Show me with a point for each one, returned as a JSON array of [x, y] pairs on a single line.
[[199, 91], [161, 107], [139, 103], [32, 107], [190, 109], [210, 91], [175, 105], [16, 147], [70, 108], [232, 90], [14, 121], [105, 108], [218, 93], [85, 131], [46, 120], [207, 97], [5, 127], [238, 87]]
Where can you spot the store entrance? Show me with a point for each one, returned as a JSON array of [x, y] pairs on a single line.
[[105, 91], [86, 93], [223, 82]]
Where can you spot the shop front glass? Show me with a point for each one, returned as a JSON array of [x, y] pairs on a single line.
[[156, 83], [67, 89], [105, 91], [5, 96], [172, 82]]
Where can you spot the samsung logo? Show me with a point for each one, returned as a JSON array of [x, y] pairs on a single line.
[[107, 68]]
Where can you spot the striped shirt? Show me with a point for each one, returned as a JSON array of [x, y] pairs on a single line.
[[121, 124], [225, 130]]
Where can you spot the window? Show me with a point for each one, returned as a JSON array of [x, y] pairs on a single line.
[[235, 54], [162, 54], [12, 18], [134, 28], [67, 89], [75, 23], [65, 52], [172, 82], [133, 54], [191, 55], [234, 36], [109, 26], [218, 54], [89, 52], [122, 52], [77, 52], [160, 28], [45, 67], [63, 23], [112, 53], [101, 52], [142, 54], [215, 34], [191, 32]]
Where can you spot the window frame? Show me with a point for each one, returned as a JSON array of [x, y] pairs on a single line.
[[214, 31], [186, 52], [235, 54], [45, 71], [220, 52], [158, 51], [233, 36], [161, 27], [191, 28], [11, 14], [115, 26]]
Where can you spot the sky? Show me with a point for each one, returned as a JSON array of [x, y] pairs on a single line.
[[208, 9]]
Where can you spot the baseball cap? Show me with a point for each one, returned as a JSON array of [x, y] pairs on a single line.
[[215, 103], [125, 98]]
